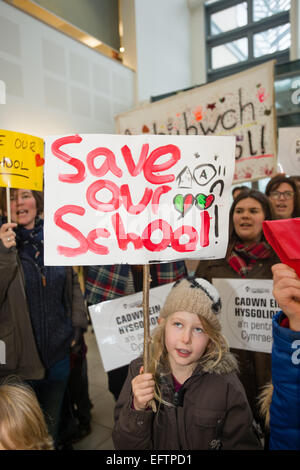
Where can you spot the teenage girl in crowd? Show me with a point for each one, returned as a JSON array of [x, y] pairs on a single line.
[[22, 423], [201, 403], [48, 298], [248, 256]]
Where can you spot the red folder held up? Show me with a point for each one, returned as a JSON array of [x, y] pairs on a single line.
[[284, 237]]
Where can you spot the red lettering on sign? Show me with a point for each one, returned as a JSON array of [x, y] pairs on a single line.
[[150, 167], [156, 197], [133, 169], [123, 237], [95, 247], [166, 229], [108, 165], [126, 198], [110, 206], [83, 244], [190, 245], [55, 147], [204, 231]]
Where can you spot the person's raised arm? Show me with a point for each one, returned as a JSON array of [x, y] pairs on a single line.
[[286, 290]]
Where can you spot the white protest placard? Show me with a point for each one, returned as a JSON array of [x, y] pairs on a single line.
[[119, 327], [248, 307], [241, 105], [113, 199], [289, 150]]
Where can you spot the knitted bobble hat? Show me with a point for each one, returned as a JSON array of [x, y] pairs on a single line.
[[194, 295]]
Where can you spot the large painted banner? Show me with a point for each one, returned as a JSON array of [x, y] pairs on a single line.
[[119, 326], [248, 307], [112, 199], [241, 105]]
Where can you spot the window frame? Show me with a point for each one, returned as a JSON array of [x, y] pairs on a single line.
[[248, 31]]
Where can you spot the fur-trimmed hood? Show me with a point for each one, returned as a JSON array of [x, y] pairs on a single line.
[[226, 365], [265, 400]]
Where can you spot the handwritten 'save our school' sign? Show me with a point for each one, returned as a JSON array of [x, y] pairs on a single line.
[[241, 105], [21, 160], [112, 199]]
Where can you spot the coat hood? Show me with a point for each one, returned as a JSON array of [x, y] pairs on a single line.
[[226, 365]]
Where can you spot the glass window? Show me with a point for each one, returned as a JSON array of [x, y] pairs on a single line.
[[263, 8], [242, 32], [228, 19], [230, 53], [272, 40]]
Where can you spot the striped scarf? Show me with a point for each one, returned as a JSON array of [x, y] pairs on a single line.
[[111, 281], [243, 258]]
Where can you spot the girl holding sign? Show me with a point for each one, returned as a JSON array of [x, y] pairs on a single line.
[[201, 403], [248, 256], [48, 297]]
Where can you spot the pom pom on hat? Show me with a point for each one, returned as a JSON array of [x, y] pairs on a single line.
[[194, 295]]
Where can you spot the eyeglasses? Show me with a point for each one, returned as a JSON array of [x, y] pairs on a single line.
[[285, 194]]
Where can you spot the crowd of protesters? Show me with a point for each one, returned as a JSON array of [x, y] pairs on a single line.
[[44, 317]]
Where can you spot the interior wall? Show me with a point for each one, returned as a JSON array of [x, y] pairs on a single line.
[[295, 36], [55, 85], [198, 45], [163, 47]]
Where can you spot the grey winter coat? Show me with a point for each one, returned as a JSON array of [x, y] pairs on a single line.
[[209, 412]]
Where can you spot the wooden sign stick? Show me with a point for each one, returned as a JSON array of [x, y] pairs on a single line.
[[147, 338], [8, 204], [146, 286]]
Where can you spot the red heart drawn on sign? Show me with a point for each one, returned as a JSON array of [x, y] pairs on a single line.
[[204, 202], [183, 203], [39, 161], [209, 200]]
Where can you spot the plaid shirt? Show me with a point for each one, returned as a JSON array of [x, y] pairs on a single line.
[[111, 281]]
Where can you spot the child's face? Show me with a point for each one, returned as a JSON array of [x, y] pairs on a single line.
[[185, 340]]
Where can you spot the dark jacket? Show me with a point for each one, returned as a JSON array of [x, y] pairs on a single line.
[[16, 332], [211, 412], [285, 405], [255, 367]]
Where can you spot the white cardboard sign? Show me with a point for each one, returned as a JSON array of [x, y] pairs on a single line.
[[248, 307], [119, 327], [112, 199], [289, 150]]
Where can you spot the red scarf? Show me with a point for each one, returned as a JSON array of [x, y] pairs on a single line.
[[243, 258]]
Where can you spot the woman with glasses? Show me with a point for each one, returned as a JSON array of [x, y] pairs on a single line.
[[283, 194]]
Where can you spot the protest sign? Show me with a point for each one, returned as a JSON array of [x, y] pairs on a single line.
[[119, 328], [248, 307], [241, 105], [21, 160], [112, 199], [289, 150]]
